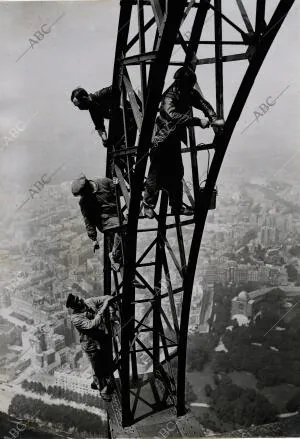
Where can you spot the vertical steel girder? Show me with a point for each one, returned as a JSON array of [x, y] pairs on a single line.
[[155, 84], [168, 16], [123, 30], [219, 64]]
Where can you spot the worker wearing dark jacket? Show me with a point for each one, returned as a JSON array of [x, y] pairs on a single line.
[[88, 319], [99, 210], [175, 115], [100, 105]]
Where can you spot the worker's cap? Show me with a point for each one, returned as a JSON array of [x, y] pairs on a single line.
[[185, 74], [78, 185], [71, 300], [74, 302], [79, 93]]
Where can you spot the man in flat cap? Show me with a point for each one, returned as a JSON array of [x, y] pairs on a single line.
[[88, 317], [175, 115], [99, 210]]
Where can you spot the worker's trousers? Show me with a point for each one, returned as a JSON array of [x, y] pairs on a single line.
[[169, 178], [101, 362]]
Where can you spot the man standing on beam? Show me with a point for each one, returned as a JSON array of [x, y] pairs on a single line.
[[175, 115], [88, 317]]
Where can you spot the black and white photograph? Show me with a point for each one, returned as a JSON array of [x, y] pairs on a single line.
[[150, 219]]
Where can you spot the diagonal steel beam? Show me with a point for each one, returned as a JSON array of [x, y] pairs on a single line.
[[133, 101], [170, 292], [245, 16], [136, 38], [123, 187], [172, 254], [197, 29], [230, 22], [161, 231], [158, 13], [148, 249], [188, 193]]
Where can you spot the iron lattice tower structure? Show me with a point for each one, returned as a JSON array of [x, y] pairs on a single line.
[[151, 41]]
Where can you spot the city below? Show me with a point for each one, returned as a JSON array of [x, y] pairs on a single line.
[[250, 250]]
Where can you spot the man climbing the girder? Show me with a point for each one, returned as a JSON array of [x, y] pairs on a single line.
[[88, 317], [99, 210], [175, 114], [100, 105]]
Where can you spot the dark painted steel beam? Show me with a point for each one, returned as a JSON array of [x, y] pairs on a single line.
[[225, 58], [197, 29], [142, 47], [161, 231], [123, 30], [230, 22], [219, 63], [133, 101], [260, 23], [158, 13], [138, 59], [245, 16], [136, 38], [170, 291], [155, 83], [230, 43]]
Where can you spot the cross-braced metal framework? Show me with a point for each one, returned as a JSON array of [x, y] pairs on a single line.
[[150, 345]]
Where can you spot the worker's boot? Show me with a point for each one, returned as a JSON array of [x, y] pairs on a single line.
[[218, 126], [107, 390], [105, 394], [94, 386], [183, 210], [114, 265], [95, 383], [218, 123], [138, 284], [110, 386], [135, 282], [148, 212]]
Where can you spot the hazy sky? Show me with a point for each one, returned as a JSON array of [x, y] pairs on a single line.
[[79, 50]]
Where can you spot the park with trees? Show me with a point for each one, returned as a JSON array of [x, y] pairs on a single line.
[[264, 348], [66, 394], [61, 416]]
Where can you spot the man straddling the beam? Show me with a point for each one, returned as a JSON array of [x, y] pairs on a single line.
[[88, 317], [99, 210], [175, 115]]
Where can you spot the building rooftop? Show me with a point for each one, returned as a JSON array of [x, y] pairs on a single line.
[[243, 295]]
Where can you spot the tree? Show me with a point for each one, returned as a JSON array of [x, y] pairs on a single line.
[[200, 348], [189, 393], [292, 273], [294, 403], [249, 236], [295, 250], [243, 406], [61, 416], [208, 390]]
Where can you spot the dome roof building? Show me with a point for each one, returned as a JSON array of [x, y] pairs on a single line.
[[243, 295]]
